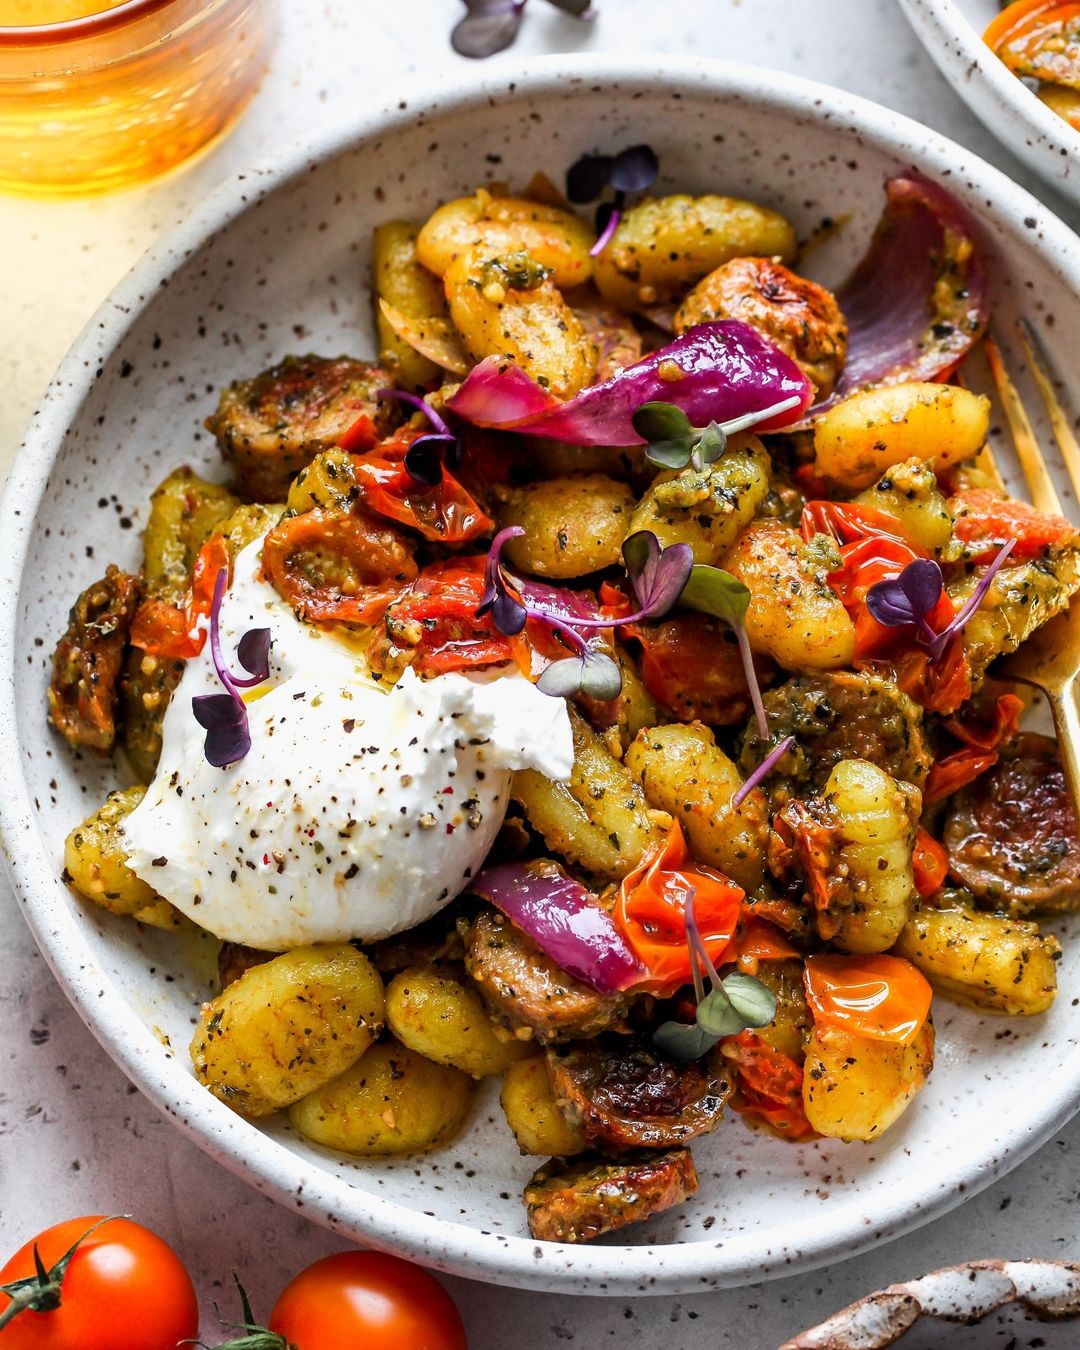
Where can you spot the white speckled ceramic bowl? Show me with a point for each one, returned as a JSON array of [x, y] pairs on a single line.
[[276, 261], [969, 1307], [951, 31]]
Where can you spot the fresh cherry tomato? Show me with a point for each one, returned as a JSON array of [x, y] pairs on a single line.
[[436, 619], [124, 1289], [445, 513], [173, 631], [987, 521], [650, 912], [337, 567], [930, 863], [768, 1085], [367, 1301], [883, 998]]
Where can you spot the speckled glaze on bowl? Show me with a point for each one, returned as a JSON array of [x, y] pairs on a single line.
[[968, 1307], [277, 261], [951, 31]]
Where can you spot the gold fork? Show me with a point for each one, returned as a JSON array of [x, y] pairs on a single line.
[[1050, 659]]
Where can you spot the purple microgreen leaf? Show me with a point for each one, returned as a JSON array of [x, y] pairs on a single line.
[[592, 673], [228, 738], [941, 641], [424, 458], [587, 177], [253, 653], [907, 598], [657, 575], [508, 614], [634, 169], [499, 598], [762, 771], [490, 27], [224, 716], [610, 216]]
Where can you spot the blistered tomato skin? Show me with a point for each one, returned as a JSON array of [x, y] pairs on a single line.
[[125, 1289], [358, 1299]]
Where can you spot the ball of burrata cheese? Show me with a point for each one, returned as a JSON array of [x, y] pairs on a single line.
[[359, 811]]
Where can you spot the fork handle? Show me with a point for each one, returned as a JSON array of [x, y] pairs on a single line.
[[1066, 714]]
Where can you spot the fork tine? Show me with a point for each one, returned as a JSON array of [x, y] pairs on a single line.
[[1040, 485], [1063, 432]]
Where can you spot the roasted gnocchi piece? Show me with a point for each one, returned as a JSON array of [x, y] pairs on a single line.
[[873, 429], [684, 772], [287, 1027], [599, 819], [987, 961], [794, 614], [854, 847], [442, 1019], [392, 1102], [95, 863], [706, 508], [856, 1088], [663, 245]]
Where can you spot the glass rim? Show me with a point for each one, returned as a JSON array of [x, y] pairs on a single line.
[[75, 30]]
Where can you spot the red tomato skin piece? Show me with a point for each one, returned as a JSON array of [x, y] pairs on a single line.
[[125, 1289], [367, 1301]]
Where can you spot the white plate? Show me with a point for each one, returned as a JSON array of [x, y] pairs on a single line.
[[276, 261], [951, 31]]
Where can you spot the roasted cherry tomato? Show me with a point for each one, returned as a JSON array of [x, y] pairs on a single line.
[[768, 1085], [650, 912], [364, 1299], [446, 513], [757, 941], [979, 751], [883, 998], [436, 620], [985, 521], [930, 863], [337, 566], [1039, 39], [174, 631], [941, 687], [123, 1289], [847, 521]]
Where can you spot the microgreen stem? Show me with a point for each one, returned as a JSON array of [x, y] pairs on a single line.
[[974, 600], [608, 231], [751, 680], [421, 405], [751, 419]]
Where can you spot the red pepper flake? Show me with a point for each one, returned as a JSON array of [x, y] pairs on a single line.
[[449, 829], [448, 792]]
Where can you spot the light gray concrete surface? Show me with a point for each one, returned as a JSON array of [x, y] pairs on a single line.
[[75, 1137]]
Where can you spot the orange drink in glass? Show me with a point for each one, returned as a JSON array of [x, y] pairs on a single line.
[[96, 95]]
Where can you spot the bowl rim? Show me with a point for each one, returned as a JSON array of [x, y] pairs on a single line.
[[228, 1138], [1035, 134]]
